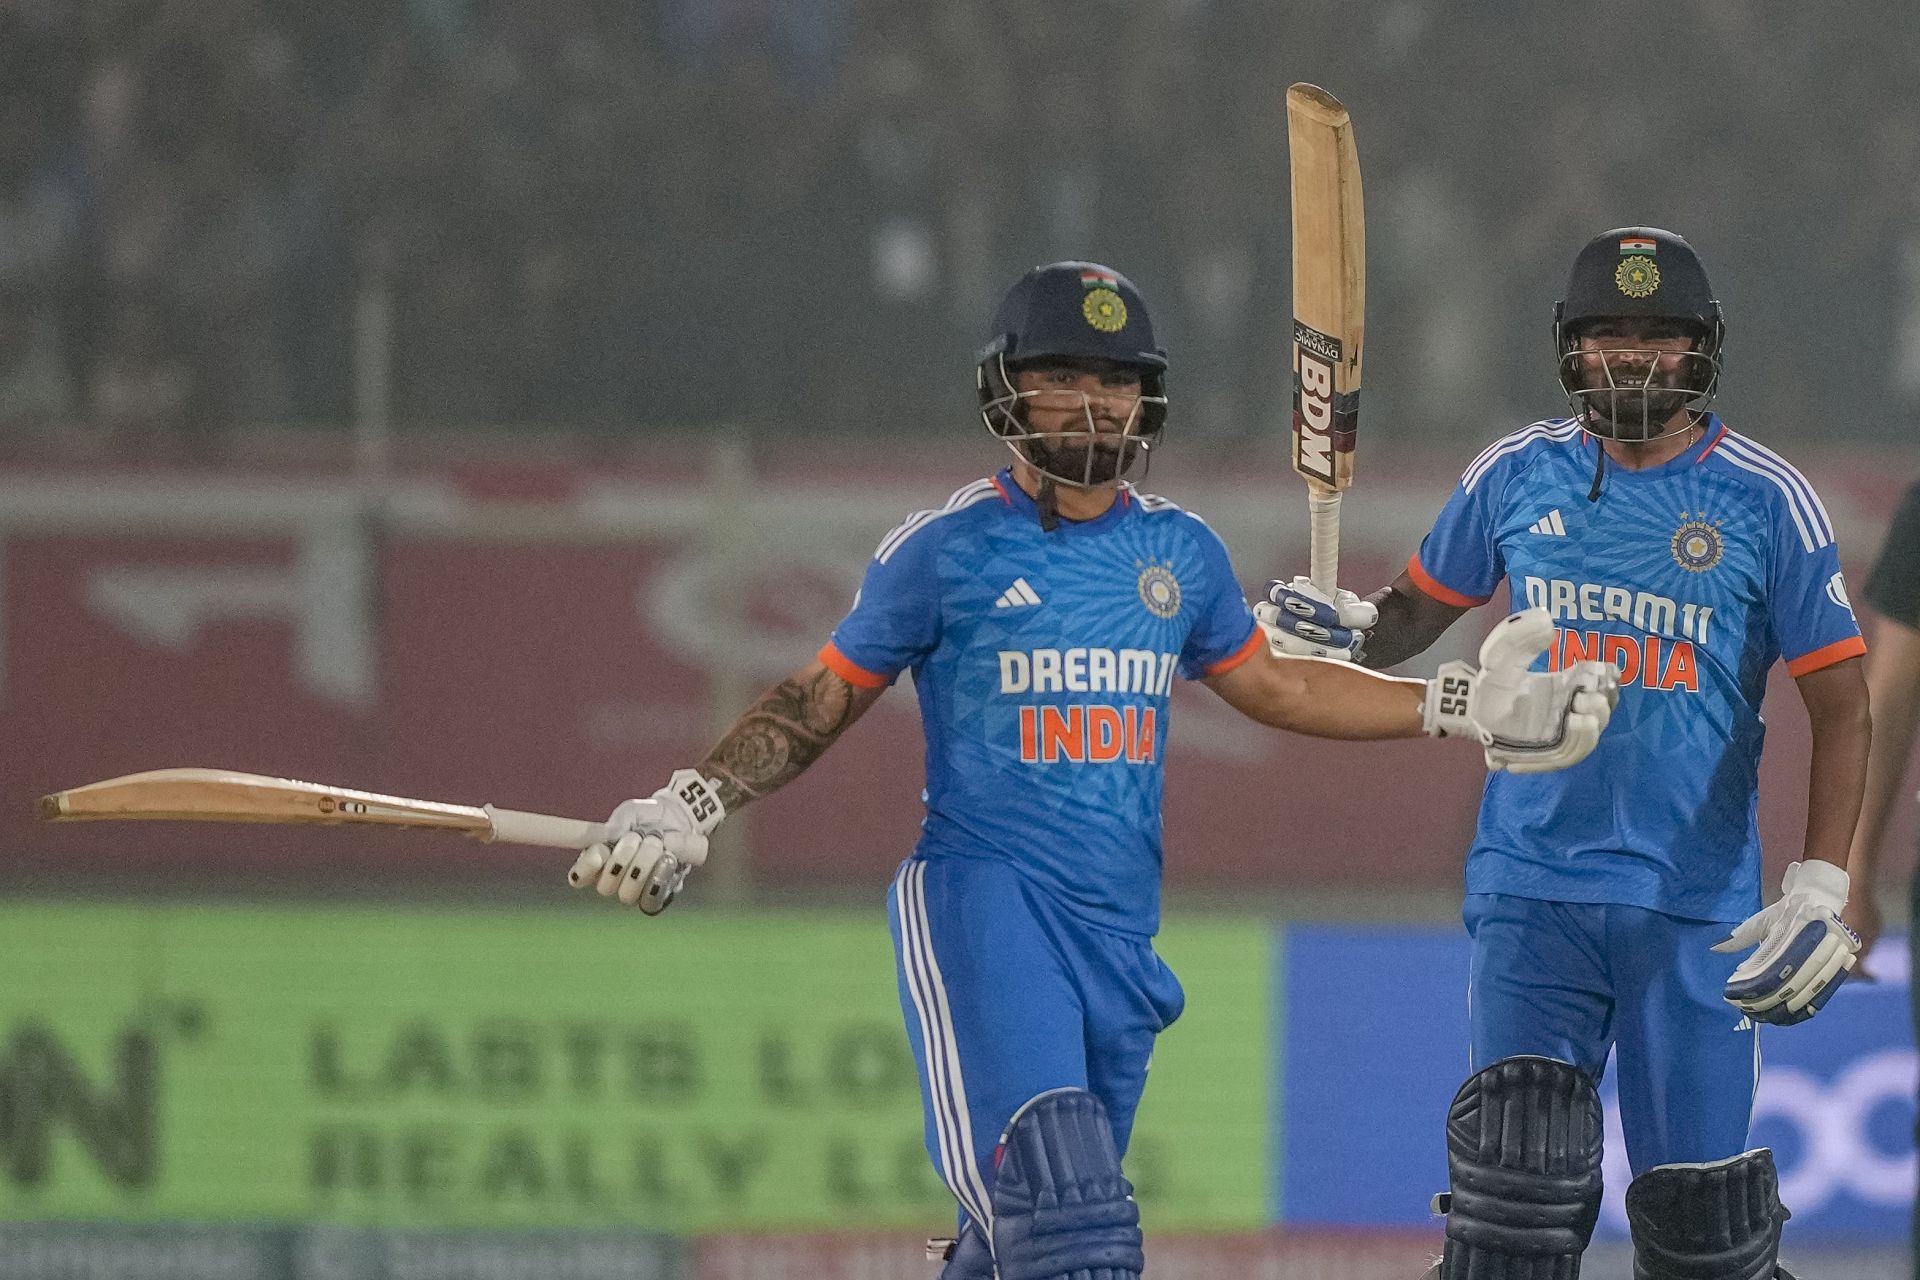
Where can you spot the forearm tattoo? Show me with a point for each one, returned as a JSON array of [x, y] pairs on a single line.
[[779, 736]]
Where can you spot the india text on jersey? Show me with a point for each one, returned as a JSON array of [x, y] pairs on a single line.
[[1092, 733], [1087, 734], [1662, 659]]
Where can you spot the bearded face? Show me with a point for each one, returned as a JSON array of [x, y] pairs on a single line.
[[1634, 379], [1079, 421], [1091, 462]]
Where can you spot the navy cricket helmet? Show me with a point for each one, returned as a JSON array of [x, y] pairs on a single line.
[[1637, 273], [1073, 311]]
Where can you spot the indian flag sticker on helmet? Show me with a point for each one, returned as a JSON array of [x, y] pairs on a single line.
[[1098, 278], [1638, 245]]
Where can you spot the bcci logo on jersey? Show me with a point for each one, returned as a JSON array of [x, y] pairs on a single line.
[[1159, 591], [1697, 546]]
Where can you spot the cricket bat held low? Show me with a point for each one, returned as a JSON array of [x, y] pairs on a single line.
[[220, 795]]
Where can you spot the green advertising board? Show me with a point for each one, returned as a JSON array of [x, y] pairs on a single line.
[[699, 1072]]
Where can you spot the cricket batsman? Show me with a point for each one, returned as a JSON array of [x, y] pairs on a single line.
[[1044, 613], [1607, 903]]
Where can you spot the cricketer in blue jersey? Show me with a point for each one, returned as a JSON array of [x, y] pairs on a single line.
[[1044, 613], [1600, 899]]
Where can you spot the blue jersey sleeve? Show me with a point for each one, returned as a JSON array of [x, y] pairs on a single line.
[[1224, 633], [895, 619], [1459, 562], [1813, 620]]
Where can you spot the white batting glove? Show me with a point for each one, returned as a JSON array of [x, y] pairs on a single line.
[[1805, 952], [1526, 721], [652, 844], [1302, 621]]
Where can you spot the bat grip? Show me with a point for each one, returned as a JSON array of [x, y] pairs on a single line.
[[511, 826], [1323, 540]]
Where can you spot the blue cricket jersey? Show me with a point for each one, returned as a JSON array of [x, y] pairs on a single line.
[[1043, 663], [1694, 577]]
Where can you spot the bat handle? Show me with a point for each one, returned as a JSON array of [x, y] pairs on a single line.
[[1323, 540], [511, 826]]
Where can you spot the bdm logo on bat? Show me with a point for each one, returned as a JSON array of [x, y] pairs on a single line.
[[1319, 355]]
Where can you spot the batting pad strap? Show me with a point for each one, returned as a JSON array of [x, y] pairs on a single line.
[[1717, 1221], [969, 1258], [1523, 1160], [1062, 1210]]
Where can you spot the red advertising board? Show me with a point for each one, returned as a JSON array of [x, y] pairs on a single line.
[[562, 652]]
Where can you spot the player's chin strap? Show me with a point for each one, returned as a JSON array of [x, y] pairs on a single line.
[[1694, 420], [1049, 503]]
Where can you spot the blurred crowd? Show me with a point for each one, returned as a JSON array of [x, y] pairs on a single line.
[[795, 215]]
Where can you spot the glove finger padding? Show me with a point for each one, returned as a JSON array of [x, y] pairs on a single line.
[[1749, 932], [1534, 721], [1517, 641], [1290, 636], [689, 848], [1587, 718], [1578, 739], [659, 840], [647, 852], [1527, 721], [614, 874], [1804, 950], [586, 868], [1790, 984], [1302, 621], [664, 885], [1300, 598]]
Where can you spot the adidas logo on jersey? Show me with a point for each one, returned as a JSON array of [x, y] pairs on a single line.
[[1017, 596], [1549, 524]]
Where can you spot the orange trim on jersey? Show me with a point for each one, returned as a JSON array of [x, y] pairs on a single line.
[[1715, 445], [1240, 655], [1004, 495], [847, 669], [1439, 591], [1827, 655]]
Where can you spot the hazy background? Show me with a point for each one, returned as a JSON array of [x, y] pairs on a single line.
[[483, 400]]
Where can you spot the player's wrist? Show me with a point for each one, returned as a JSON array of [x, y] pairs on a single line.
[[1445, 703], [697, 798], [1819, 880]]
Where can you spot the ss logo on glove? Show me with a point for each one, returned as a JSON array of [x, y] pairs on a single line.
[[700, 802], [1453, 695]]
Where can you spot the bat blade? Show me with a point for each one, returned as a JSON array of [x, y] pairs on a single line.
[[1329, 307], [221, 795]]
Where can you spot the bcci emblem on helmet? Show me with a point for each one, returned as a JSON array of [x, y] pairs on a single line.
[[1159, 591], [1697, 546], [1637, 277], [1104, 310]]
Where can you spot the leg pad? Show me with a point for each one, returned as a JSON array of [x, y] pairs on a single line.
[[1523, 1159], [1717, 1221], [1062, 1210]]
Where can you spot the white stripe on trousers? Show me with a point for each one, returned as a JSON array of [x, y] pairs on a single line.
[[952, 1124]]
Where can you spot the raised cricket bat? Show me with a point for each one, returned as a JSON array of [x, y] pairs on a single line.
[[1329, 312], [218, 795]]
